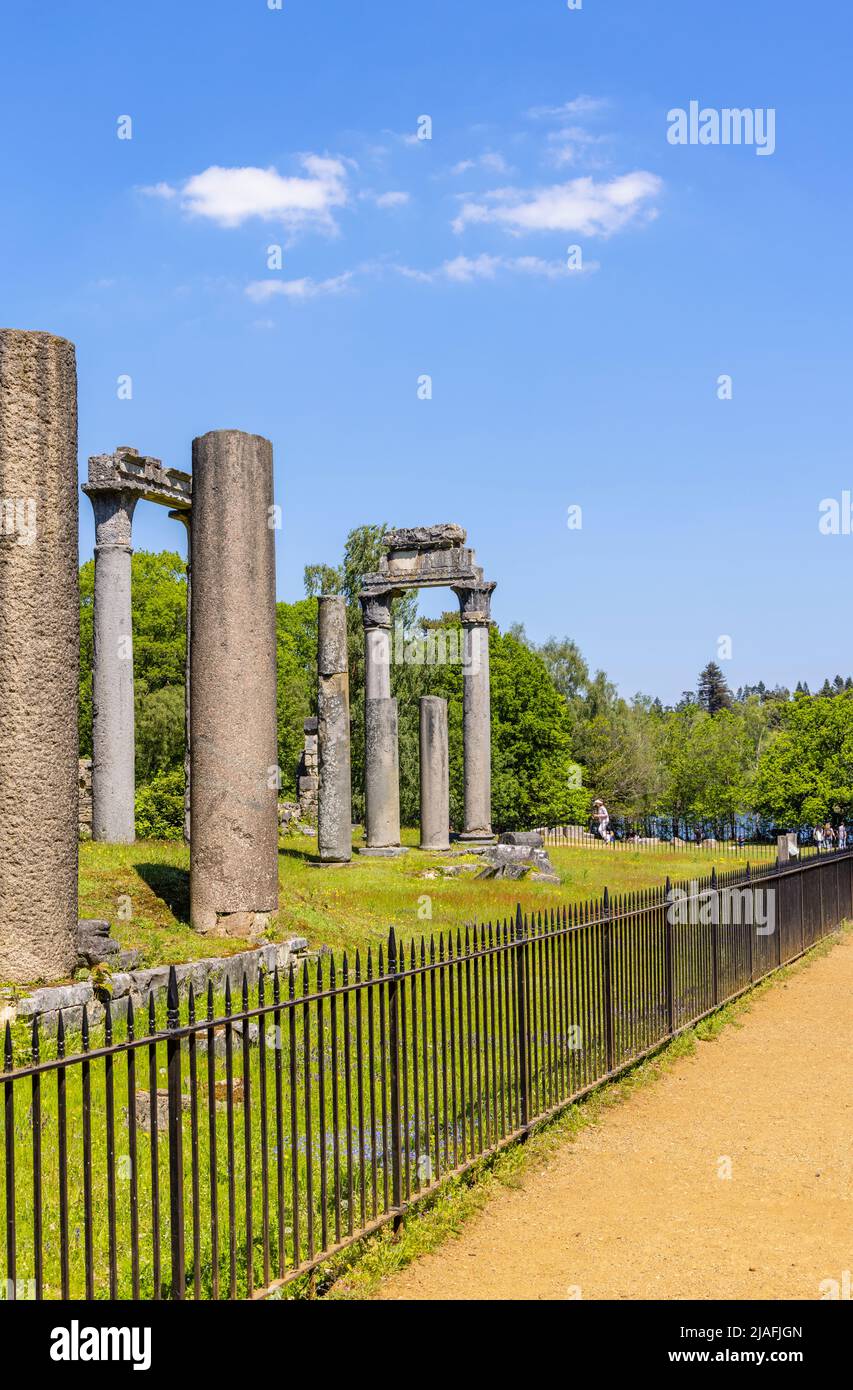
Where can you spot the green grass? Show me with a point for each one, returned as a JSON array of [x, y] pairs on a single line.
[[353, 906]]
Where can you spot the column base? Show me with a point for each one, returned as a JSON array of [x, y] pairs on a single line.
[[476, 837], [248, 926], [383, 851], [329, 863], [435, 849]]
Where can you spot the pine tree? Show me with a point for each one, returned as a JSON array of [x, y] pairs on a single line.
[[713, 692]]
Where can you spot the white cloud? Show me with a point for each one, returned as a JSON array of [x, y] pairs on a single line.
[[393, 199], [491, 160], [259, 291], [571, 142], [581, 106], [159, 190], [582, 206], [230, 197], [462, 270]]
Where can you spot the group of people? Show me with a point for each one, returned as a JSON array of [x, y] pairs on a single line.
[[823, 836], [827, 837]]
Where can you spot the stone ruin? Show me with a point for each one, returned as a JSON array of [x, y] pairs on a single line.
[[415, 557], [232, 777], [226, 505]]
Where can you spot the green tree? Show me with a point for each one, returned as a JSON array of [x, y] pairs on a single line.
[[713, 693], [806, 773]]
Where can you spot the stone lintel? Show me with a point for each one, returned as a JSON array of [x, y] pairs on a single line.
[[126, 470], [441, 537]]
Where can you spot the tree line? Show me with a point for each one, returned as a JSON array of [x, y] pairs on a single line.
[[561, 733]]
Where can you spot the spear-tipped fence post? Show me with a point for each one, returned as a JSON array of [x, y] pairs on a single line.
[[669, 959], [521, 1014], [715, 937], [176, 1155], [394, 1078], [607, 966]]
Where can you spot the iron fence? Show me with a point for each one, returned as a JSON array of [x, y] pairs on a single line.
[[225, 1154]]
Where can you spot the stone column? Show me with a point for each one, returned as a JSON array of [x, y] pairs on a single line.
[[376, 615], [186, 518], [39, 656], [475, 612], [435, 774], [334, 810], [233, 752], [381, 779], [113, 724]]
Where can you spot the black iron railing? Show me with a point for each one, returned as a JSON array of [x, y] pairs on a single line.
[[224, 1155]]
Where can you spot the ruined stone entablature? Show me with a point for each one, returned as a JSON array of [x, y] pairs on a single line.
[[422, 557], [128, 471]]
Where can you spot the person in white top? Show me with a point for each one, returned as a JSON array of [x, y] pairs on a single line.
[[602, 815]]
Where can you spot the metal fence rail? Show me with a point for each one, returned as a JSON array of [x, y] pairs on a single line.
[[218, 1155], [667, 833]]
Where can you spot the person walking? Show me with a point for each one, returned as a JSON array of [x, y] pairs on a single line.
[[602, 816], [842, 836], [817, 836]]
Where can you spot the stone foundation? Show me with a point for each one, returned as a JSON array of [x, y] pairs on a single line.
[[138, 986]]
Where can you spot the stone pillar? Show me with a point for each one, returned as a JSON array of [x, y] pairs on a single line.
[[39, 656], [186, 518], [307, 773], [113, 725], [435, 774], [381, 778], [475, 612], [376, 615], [334, 811], [233, 746]]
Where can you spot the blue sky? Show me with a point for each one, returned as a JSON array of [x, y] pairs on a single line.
[[447, 257]]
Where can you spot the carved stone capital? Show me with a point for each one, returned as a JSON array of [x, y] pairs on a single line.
[[113, 517], [376, 609], [475, 604]]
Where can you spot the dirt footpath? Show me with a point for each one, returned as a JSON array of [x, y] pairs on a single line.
[[636, 1207]]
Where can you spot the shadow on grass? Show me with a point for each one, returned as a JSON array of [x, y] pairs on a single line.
[[172, 886]]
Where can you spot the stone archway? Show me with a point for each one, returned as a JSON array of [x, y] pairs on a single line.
[[435, 557]]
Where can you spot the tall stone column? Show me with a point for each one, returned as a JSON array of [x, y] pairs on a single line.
[[113, 725], [381, 778], [334, 809], [186, 518], [376, 615], [233, 754], [475, 612], [39, 656], [435, 774]]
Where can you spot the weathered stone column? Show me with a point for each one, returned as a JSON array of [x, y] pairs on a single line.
[[435, 774], [186, 518], [376, 615], [39, 656], [113, 724], [475, 612], [234, 846], [334, 810], [381, 778]]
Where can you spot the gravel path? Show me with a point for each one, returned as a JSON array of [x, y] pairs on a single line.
[[636, 1208]]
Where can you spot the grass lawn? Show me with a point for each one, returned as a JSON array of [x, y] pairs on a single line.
[[143, 890]]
